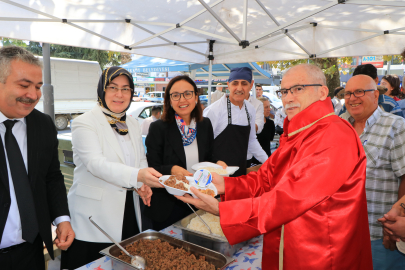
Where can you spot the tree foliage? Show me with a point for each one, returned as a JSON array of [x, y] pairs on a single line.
[[104, 58]]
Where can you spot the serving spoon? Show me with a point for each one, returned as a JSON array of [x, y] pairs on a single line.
[[136, 261], [200, 218]]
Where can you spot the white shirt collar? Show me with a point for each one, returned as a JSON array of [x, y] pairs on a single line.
[[4, 118]]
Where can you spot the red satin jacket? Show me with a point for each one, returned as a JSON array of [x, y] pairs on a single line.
[[314, 185]]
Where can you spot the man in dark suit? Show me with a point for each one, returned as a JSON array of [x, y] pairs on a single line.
[[32, 190]]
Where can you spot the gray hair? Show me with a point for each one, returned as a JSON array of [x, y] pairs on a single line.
[[313, 72], [263, 99], [10, 53]]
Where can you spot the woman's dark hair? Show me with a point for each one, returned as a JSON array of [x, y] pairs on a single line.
[[337, 90], [168, 112], [395, 83]]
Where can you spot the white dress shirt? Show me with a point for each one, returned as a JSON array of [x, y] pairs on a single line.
[[146, 123], [129, 156], [191, 152], [216, 95], [259, 119], [218, 114], [12, 234], [401, 246]]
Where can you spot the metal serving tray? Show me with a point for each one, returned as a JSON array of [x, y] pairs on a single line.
[[217, 259], [213, 242]]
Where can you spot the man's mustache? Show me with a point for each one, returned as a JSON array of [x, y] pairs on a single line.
[[26, 100], [291, 105]]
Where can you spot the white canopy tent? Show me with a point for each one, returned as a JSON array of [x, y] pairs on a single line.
[[233, 31], [243, 30]]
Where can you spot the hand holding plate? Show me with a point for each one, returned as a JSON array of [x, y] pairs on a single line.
[[204, 202]]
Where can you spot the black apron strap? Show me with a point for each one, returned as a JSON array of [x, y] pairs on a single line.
[[230, 112]]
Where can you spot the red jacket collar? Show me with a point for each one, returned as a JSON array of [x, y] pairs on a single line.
[[313, 113]]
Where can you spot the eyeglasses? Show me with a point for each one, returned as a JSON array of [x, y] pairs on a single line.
[[114, 89], [357, 93], [295, 90], [177, 96]]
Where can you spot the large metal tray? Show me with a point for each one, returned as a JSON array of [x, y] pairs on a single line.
[[217, 259], [213, 242]]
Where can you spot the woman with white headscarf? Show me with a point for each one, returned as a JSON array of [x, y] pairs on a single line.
[[110, 164]]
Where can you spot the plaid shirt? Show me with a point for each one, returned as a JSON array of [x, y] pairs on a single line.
[[383, 140]]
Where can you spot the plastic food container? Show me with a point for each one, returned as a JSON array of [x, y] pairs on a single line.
[[212, 242], [179, 192]]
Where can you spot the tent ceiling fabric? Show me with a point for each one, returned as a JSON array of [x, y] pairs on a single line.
[[181, 29]]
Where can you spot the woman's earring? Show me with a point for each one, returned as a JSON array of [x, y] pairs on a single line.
[[196, 102]]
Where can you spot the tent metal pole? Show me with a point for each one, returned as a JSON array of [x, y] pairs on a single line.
[[219, 20], [377, 3], [210, 34], [56, 18], [173, 26], [165, 39], [389, 67], [298, 44], [47, 87], [280, 35], [278, 24], [29, 9], [153, 36], [349, 28], [244, 30], [310, 14], [284, 51], [211, 58], [200, 12], [350, 43], [209, 82]]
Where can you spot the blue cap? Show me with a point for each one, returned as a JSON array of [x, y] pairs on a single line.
[[243, 73]]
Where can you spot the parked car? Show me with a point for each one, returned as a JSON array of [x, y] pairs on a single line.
[[203, 98], [154, 97], [142, 110]]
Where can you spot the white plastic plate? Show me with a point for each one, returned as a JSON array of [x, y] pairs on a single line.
[[230, 169], [179, 192]]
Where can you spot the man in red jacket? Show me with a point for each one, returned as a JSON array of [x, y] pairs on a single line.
[[322, 206]]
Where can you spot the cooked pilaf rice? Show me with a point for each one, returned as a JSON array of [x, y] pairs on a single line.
[[211, 220]]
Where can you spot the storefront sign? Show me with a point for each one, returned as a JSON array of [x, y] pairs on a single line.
[[142, 74], [377, 61]]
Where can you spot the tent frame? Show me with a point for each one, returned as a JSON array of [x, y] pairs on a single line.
[[281, 30]]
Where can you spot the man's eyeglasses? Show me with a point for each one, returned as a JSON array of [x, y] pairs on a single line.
[[177, 96], [295, 90], [114, 89], [356, 93]]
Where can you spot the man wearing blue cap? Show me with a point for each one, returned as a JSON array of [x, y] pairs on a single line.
[[233, 122]]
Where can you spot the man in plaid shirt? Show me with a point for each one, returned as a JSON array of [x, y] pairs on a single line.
[[383, 137]]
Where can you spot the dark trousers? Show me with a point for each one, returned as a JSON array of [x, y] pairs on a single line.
[[26, 256], [81, 252]]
